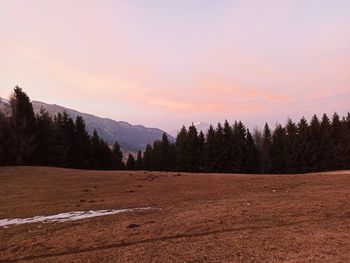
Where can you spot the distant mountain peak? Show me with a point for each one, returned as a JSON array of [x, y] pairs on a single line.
[[200, 126], [5, 106], [2, 100], [198, 123]]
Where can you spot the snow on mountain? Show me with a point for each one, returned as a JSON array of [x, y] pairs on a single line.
[[5, 101], [5, 106], [200, 126]]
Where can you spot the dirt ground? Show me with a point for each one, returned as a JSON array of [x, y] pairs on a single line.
[[199, 217]]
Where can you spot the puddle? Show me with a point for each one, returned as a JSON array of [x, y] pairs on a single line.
[[69, 216]]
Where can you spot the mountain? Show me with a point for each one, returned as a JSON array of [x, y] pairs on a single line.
[[5, 106], [200, 126], [130, 137]]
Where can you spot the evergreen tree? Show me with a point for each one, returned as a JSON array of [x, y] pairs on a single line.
[[227, 149], [209, 151], [147, 158], [7, 154], [131, 163], [181, 150], [265, 154], [95, 150], [167, 157], [278, 149], [105, 156], [325, 144], [291, 150], [219, 141], [338, 146], [24, 125], [346, 140], [315, 144], [201, 142], [118, 163], [44, 153], [192, 149], [239, 147], [252, 159], [139, 161], [82, 147], [64, 140], [303, 148], [258, 141]]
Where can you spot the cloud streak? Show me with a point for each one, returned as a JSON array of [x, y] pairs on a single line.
[[193, 61]]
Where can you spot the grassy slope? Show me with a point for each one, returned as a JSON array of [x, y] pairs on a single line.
[[203, 217]]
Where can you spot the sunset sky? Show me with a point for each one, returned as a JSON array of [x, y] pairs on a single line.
[[167, 63]]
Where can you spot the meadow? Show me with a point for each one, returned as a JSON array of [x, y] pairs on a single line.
[[190, 217]]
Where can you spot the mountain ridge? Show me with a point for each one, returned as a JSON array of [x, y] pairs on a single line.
[[130, 137]]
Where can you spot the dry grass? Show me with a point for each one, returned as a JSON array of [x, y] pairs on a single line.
[[202, 217]]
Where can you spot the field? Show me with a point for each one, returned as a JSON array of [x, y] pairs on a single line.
[[194, 217]]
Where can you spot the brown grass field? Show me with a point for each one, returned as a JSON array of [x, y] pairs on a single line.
[[201, 217]]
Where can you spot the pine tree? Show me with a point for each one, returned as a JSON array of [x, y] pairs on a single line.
[[338, 147], [44, 153], [181, 150], [95, 150], [315, 144], [192, 149], [24, 125], [201, 142], [167, 155], [209, 151], [278, 150], [172, 155], [147, 158], [239, 147], [346, 140], [139, 161], [105, 156], [164, 148], [7, 154], [265, 154], [258, 140], [64, 140], [252, 159], [118, 163], [157, 156], [325, 144], [218, 160], [291, 147], [227, 149], [303, 148], [81, 145], [131, 163]]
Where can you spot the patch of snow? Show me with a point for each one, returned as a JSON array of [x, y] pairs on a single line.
[[5, 101], [68, 216]]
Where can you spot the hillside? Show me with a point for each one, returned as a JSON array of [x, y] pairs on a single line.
[[130, 137]]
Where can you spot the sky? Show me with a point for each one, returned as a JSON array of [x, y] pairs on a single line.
[[165, 63]]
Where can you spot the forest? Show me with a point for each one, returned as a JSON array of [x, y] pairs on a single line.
[[319, 145]]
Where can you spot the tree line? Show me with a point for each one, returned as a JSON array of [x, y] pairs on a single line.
[[301, 147], [29, 139]]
